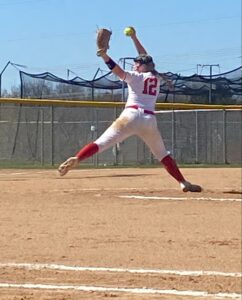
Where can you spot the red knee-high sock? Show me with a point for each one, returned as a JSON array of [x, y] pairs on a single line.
[[172, 168], [87, 151]]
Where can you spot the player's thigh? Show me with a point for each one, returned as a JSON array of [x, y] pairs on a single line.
[[116, 133], [154, 141]]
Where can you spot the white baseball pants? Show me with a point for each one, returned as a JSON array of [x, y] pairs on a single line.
[[134, 122]]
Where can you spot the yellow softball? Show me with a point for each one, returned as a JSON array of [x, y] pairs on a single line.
[[128, 31]]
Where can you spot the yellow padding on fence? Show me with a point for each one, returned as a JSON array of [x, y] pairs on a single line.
[[84, 103]]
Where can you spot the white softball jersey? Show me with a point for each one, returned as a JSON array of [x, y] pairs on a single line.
[[137, 118], [143, 89]]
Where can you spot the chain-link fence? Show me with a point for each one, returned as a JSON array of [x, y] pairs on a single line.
[[49, 134]]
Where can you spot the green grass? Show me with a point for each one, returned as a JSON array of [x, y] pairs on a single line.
[[37, 165]]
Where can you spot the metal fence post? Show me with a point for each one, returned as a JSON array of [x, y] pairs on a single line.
[[196, 137], [173, 133], [42, 136], [52, 134], [96, 157], [224, 138]]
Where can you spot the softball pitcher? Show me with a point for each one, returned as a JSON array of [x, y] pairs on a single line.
[[138, 117]]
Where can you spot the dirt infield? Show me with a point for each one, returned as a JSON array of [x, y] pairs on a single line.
[[119, 233]]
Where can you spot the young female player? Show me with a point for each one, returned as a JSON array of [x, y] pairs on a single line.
[[137, 118]]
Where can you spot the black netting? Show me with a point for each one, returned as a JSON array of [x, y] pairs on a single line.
[[49, 86], [222, 88]]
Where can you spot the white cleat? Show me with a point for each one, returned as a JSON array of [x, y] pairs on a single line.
[[189, 187], [69, 164]]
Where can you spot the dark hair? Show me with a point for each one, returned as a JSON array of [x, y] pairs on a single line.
[[147, 60], [144, 59]]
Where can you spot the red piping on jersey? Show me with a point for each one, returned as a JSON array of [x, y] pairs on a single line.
[[145, 110]]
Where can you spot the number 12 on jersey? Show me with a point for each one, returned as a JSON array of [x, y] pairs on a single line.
[[150, 86]]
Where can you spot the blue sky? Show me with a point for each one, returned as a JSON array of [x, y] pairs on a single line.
[[57, 35]]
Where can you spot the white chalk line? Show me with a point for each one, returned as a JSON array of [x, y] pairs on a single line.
[[100, 189], [46, 171], [17, 173], [179, 198], [24, 173], [32, 266], [85, 288], [145, 197]]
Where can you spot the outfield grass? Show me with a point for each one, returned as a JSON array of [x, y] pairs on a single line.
[[37, 165]]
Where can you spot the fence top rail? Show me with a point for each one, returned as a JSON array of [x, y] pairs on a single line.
[[103, 104]]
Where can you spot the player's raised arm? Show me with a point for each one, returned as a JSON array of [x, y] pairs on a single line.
[[113, 66], [103, 38], [130, 31]]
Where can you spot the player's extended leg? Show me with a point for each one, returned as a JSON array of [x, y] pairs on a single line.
[[117, 132], [155, 142], [172, 168], [72, 162]]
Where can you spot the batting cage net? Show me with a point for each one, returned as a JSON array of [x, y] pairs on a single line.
[[49, 131], [222, 88]]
